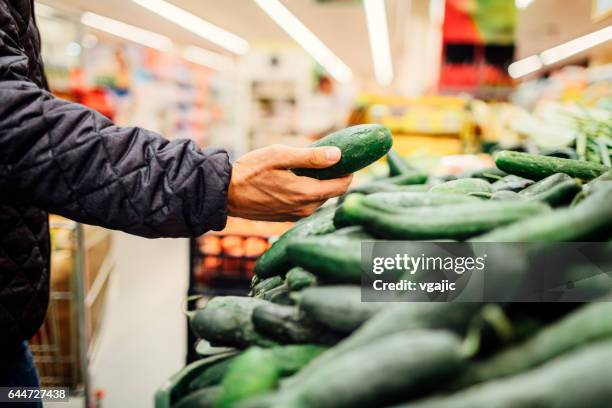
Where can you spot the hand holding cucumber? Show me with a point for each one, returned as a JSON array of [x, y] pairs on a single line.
[[263, 188]]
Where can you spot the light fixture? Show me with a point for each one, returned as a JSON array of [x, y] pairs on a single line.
[[207, 58], [196, 25], [575, 46], [525, 66], [126, 31], [376, 17], [522, 3], [306, 39]]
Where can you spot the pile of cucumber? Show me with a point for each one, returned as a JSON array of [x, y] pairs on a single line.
[[304, 339]]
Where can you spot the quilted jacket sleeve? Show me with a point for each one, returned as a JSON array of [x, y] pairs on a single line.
[[70, 160]]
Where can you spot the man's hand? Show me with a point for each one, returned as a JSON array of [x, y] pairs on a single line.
[[263, 188]]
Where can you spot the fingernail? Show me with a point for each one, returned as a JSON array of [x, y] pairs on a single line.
[[332, 154]]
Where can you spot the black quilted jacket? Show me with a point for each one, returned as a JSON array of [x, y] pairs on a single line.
[[65, 158]]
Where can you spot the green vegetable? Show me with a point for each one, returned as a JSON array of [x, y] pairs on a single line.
[[286, 324], [555, 190], [588, 324], [299, 278], [463, 186], [338, 307], [537, 167], [279, 294], [505, 195], [447, 221], [601, 182], [267, 284], [274, 261], [226, 320], [202, 398], [511, 183], [382, 187], [397, 164], [490, 174], [361, 146], [383, 371], [585, 221], [211, 375], [407, 179], [291, 359], [581, 379], [386, 201], [253, 372]]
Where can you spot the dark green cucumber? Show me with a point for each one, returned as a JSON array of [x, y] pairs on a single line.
[[299, 278], [397, 164], [332, 258], [202, 398], [586, 221], [226, 321], [275, 261], [407, 179], [267, 284], [491, 174], [211, 375], [463, 186], [338, 307], [253, 372], [286, 324], [511, 183], [457, 221], [382, 187], [537, 167], [580, 379], [588, 324], [555, 190], [361, 146], [293, 358], [387, 370]]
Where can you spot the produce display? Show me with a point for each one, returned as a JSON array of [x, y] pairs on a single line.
[[303, 338]]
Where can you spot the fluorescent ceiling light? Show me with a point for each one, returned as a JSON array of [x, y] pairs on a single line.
[[306, 39], [522, 3], [126, 31], [576, 46], [196, 25], [207, 58], [376, 17], [525, 66]]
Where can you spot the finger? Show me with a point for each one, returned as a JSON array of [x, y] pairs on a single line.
[[320, 190], [305, 157]]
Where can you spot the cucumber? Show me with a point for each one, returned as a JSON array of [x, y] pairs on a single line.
[[299, 278], [407, 179], [202, 398], [463, 186], [505, 195], [555, 190], [361, 146], [537, 167], [286, 324], [585, 325], [396, 318], [274, 261], [211, 375], [511, 183], [293, 358], [279, 294], [457, 221], [267, 284], [490, 174], [397, 164], [392, 368], [226, 321], [338, 307], [581, 379], [382, 187], [603, 181], [332, 258], [253, 372], [586, 221]]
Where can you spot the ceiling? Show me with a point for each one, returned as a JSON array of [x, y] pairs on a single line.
[[341, 26]]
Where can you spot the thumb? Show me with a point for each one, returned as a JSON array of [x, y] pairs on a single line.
[[309, 157]]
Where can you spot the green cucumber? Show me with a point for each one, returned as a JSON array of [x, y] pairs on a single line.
[[212, 375], [555, 190], [299, 278], [505, 195], [267, 284], [360, 145], [279, 295], [586, 221], [384, 371], [457, 221], [226, 321], [397, 164], [407, 179], [338, 307], [603, 181], [253, 372], [490, 174], [463, 186], [201, 398], [382, 187], [293, 358], [537, 167], [275, 261], [588, 324], [286, 324], [581, 379], [511, 183]]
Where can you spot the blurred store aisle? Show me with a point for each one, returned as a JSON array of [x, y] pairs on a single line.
[[144, 334]]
